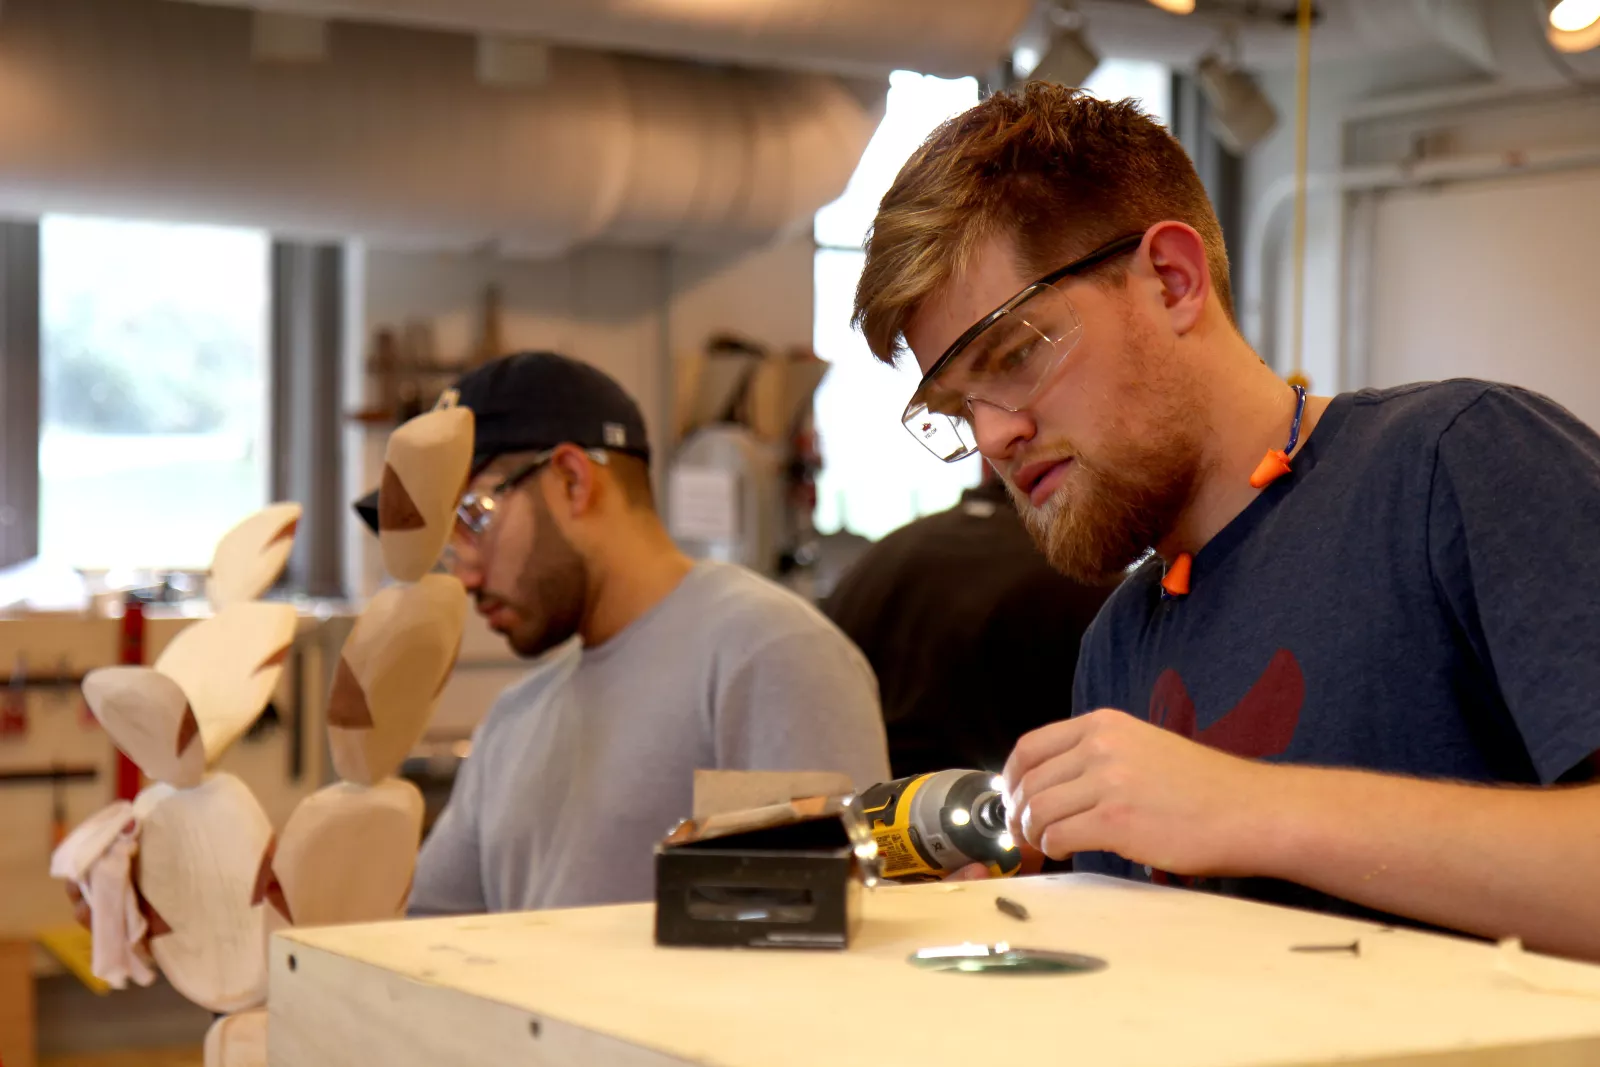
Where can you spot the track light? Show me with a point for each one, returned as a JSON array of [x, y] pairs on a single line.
[[1241, 114], [1574, 25], [1175, 7], [1068, 61]]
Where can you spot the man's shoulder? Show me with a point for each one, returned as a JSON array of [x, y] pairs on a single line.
[[1420, 410], [740, 604]]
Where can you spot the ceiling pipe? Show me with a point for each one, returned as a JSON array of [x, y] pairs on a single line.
[[154, 109], [856, 38]]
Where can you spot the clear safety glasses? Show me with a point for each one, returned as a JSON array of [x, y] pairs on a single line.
[[1004, 359]]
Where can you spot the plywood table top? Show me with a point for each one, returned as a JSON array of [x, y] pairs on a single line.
[[1193, 981]]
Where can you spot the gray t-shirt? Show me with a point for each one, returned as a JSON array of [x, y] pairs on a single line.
[[579, 769]]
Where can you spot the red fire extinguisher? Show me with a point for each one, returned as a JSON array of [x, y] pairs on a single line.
[[131, 654]]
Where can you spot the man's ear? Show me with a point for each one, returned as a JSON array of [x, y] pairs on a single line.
[[576, 481], [1178, 256]]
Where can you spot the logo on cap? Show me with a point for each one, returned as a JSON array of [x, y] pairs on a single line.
[[616, 435]]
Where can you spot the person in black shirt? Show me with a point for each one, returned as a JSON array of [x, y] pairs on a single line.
[[955, 612]]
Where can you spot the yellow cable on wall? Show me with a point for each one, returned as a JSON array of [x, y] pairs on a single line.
[[1302, 130]]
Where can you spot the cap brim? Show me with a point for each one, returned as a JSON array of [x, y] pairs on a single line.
[[367, 508]]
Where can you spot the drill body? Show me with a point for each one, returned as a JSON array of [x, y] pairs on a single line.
[[928, 825]]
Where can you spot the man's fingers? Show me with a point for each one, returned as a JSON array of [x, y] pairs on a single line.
[[1036, 746], [1052, 807], [972, 872]]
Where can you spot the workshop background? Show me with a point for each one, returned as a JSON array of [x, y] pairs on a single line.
[[241, 242]]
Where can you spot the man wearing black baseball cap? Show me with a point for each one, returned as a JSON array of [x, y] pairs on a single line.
[[580, 768]]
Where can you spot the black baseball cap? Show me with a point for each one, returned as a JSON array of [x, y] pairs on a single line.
[[531, 401]]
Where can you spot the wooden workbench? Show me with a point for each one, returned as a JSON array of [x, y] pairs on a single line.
[[1192, 980]]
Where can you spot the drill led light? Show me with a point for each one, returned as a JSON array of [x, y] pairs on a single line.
[[1006, 841], [960, 817], [998, 784]]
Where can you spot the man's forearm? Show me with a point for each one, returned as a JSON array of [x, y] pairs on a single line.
[[1498, 862]]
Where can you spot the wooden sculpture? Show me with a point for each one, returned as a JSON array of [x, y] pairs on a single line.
[[395, 661], [147, 716], [425, 468], [228, 666], [347, 853], [238, 1040], [201, 855], [210, 879], [250, 556]]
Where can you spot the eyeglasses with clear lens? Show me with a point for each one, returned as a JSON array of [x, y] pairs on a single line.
[[476, 511], [1005, 365], [1004, 359]]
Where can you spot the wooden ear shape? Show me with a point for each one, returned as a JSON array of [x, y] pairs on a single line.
[[249, 557], [200, 851], [238, 1040], [425, 467], [228, 666], [148, 717], [396, 659], [348, 852]]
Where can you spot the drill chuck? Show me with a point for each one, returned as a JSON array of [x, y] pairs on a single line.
[[928, 825]]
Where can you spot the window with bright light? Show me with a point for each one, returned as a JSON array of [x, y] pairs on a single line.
[[155, 390], [876, 477]]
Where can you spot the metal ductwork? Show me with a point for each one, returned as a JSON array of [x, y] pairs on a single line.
[[1460, 26], [155, 109], [850, 37]]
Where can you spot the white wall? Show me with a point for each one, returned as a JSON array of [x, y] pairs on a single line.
[[1378, 111], [1489, 279]]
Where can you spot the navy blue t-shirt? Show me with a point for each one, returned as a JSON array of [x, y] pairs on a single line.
[[1419, 596]]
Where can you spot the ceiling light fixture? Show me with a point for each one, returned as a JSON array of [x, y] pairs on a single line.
[[1175, 7], [1574, 25], [1068, 61], [1241, 114]]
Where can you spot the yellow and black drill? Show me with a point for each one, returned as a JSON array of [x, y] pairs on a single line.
[[931, 824]]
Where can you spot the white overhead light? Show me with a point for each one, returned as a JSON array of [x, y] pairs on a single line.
[[1175, 7], [1068, 61], [1574, 25], [1241, 114]]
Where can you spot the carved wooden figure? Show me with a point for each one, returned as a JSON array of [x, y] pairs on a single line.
[[395, 661], [249, 557], [201, 855], [148, 717], [228, 666], [238, 1040], [425, 468], [347, 854]]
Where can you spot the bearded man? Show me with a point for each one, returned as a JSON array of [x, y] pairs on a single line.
[[650, 665], [1360, 668]]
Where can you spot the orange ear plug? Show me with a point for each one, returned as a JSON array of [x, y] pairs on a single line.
[[1274, 465], [1176, 581]]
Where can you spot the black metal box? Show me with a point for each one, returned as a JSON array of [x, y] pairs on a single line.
[[786, 876]]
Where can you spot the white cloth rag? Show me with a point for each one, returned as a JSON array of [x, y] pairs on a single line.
[[98, 856]]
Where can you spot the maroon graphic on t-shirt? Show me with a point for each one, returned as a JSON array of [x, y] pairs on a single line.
[[1262, 723]]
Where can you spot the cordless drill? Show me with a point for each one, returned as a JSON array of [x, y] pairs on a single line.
[[931, 824]]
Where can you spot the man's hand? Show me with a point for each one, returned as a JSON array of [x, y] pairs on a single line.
[[1032, 863], [1108, 781]]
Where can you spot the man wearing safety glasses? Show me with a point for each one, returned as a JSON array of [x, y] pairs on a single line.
[[1360, 668], [578, 770]]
